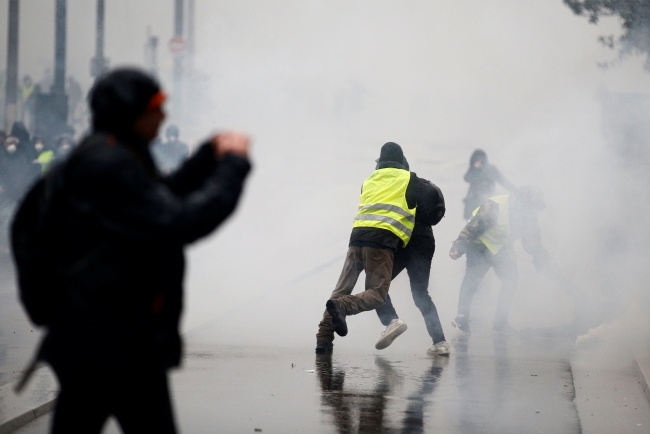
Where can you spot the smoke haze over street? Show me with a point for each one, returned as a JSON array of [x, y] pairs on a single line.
[[322, 85]]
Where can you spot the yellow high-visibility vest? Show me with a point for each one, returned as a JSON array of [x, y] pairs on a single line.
[[383, 203], [45, 159], [497, 237]]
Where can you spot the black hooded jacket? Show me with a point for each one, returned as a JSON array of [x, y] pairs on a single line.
[[122, 228], [482, 182], [122, 233], [25, 145], [17, 169]]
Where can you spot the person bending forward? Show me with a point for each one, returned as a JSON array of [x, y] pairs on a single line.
[[384, 223]]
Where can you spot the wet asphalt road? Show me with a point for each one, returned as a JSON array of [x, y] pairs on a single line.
[[489, 384], [492, 384]]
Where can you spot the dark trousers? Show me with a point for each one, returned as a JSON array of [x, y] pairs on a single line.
[[139, 401], [479, 262], [416, 258]]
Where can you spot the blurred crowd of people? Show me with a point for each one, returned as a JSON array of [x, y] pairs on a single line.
[[24, 158], [26, 153]]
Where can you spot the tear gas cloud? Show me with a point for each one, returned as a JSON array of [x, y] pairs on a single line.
[[322, 85]]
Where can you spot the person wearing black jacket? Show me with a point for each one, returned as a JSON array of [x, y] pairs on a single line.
[[416, 257], [482, 177], [17, 169], [122, 228]]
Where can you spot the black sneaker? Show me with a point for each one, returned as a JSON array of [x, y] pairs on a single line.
[[324, 347], [338, 317], [461, 323]]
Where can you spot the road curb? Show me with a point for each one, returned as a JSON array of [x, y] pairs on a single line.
[[20, 421], [641, 368], [35, 401]]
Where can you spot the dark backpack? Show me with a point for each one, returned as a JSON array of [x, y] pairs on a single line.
[[33, 247], [431, 204]]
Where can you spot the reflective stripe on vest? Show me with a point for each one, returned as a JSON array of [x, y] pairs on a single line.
[[497, 236], [383, 203]]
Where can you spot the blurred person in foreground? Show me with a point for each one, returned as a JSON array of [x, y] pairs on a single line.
[[482, 178], [122, 228], [384, 224], [488, 240], [416, 258]]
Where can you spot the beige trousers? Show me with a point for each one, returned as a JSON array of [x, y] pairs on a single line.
[[378, 265]]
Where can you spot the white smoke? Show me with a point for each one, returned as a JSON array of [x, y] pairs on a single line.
[[322, 85]]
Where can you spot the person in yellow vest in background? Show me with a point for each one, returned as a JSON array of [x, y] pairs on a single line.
[[45, 160], [45, 156], [383, 224], [488, 240]]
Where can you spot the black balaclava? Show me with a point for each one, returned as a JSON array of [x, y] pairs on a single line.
[[392, 156], [118, 98], [477, 155]]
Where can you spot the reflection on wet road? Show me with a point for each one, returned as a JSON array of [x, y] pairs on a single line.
[[489, 384], [371, 407]]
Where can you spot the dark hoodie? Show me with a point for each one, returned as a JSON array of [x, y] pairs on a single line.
[[17, 169], [481, 182], [26, 145], [123, 229]]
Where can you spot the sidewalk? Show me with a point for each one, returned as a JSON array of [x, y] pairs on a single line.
[[641, 370], [611, 400], [36, 400]]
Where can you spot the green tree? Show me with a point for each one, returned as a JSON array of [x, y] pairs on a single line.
[[635, 17]]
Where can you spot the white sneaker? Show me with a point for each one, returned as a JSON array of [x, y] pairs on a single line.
[[439, 349], [393, 330]]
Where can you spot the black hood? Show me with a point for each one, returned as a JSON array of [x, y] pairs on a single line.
[[477, 155], [391, 155], [118, 98], [19, 131]]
